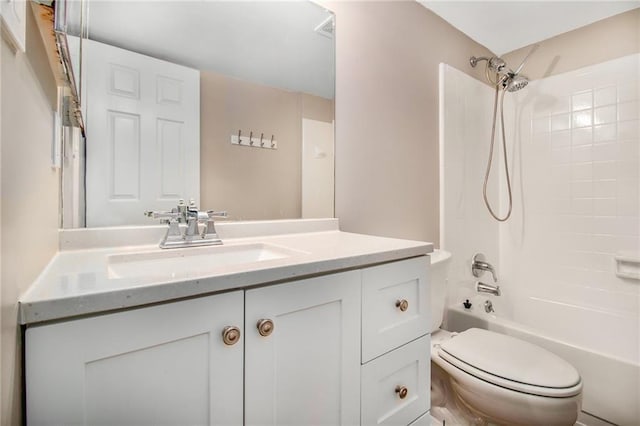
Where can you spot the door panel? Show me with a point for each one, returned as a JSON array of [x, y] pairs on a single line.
[[143, 135], [317, 169]]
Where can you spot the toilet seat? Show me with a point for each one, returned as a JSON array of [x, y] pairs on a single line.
[[511, 363]]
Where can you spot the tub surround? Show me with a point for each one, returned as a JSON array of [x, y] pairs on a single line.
[[574, 139], [76, 282]]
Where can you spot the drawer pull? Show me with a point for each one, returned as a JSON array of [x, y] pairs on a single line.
[[230, 335], [403, 305], [402, 391], [265, 327]]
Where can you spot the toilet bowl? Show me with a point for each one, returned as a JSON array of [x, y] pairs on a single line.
[[497, 378]]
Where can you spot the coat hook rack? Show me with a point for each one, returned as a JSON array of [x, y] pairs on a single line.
[[254, 142]]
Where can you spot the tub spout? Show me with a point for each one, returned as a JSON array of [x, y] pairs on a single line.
[[487, 288]]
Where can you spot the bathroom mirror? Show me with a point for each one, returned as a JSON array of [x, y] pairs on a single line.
[[228, 103]]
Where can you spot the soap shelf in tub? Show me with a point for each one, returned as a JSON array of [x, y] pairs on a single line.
[[628, 265]]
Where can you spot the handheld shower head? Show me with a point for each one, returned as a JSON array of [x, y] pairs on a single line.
[[516, 83]]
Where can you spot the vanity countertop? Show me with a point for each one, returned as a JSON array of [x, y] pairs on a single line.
[[78, 282]]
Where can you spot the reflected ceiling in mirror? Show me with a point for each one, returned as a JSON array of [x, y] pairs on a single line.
[[284, 44], [263, 70]]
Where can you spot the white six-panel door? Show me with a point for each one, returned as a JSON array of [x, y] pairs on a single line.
[[143, 135], [307, 371], [161, 365]]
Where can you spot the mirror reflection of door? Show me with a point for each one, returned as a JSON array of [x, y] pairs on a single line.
[[143, 117], [317, 169]]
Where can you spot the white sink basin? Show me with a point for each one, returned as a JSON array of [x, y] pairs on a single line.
[[190, 262]]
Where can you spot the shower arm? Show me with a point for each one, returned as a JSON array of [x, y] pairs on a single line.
[[474, 61]]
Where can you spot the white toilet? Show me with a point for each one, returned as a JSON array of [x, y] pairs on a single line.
[[495, 378]]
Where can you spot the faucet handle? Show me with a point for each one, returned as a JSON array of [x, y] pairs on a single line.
[[480, 265], [162, 215]]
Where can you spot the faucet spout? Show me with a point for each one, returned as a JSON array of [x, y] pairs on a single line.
[[487, 288]]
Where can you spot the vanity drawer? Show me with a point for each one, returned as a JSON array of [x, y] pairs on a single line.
[[384, 378], [395, 305]]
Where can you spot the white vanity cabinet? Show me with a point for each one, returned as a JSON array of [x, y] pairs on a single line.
[[312, 351], [164, 364]]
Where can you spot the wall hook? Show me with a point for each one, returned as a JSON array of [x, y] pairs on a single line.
[[261, 142], [251, 138]]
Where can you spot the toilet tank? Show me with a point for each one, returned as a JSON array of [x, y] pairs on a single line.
[[440, 260]]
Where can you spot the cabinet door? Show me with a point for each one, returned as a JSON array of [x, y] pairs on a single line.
[[161, 365], [307, 371]]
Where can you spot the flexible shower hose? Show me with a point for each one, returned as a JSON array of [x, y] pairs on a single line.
[[504, 150]]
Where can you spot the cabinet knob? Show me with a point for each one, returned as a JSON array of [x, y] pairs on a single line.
[[402, 391], [230, 335], [403, 305], [265, 327]]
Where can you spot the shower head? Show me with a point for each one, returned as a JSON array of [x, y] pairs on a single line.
[[516, 83]]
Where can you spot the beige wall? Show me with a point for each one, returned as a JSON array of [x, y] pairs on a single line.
[[252, 183], [29, 189], [387, 114], [601, 41]]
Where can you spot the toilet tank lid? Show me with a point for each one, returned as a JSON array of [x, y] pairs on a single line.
[[511, 359], [439, 255]]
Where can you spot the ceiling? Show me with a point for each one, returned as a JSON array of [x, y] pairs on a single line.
[[504, 26], [273, 43]]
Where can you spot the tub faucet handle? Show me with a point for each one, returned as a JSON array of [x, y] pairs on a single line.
[[480, 265]]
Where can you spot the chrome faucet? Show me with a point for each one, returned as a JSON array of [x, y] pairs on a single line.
[[487, 288], [188, 227], [480, 265]]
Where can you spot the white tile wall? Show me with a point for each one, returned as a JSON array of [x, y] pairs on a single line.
[[578, 209], [574, 147]]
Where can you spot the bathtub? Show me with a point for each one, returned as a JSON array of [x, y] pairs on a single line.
[[611, 385]]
